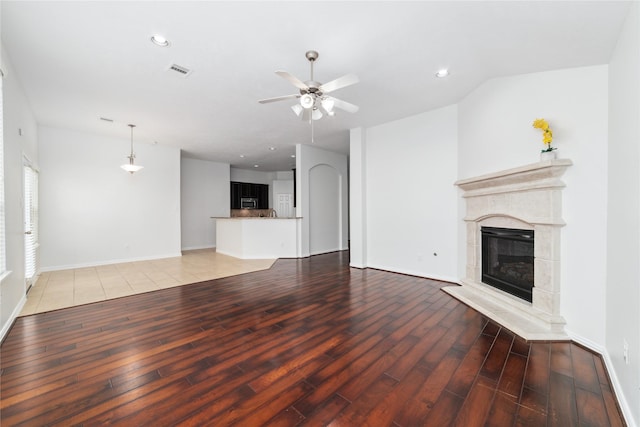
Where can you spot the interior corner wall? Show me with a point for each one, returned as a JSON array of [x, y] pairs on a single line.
[[92, 212], [204, 193], [307, 158], [495, 133], [623, 225], [20, 136], [357, 198], [411, 200]]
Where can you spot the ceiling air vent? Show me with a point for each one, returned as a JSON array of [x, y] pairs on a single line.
[[183, 71]]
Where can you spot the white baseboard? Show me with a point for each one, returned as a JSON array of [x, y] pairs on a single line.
[[107, 262], [194, 248], [415, 273], [615, 383]]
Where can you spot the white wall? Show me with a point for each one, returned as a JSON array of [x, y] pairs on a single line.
[[411, 202], [20, 139], [623, 225], [252, 176], [92, 212], [204, 193], [307, 158], [495, 133], [324, 209], [358, 198]]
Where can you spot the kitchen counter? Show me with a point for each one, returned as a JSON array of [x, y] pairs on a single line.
[[255, 217], [258, 237]]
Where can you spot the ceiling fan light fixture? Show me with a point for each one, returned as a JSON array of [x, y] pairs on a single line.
[[306, 101], [297, 109], [327, 104], [316, 114]]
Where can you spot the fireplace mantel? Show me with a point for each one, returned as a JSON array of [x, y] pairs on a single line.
[[526, 197]]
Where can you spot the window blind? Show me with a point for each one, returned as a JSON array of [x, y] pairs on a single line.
[[30, 223], [3, 257]]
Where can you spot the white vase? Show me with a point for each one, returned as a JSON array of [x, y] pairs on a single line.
[[548, 155]]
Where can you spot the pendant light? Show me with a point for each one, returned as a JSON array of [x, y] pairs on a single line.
[[130, 167]]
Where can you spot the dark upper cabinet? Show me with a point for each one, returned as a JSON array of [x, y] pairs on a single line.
[[263, 196], [240, 190], [235, 195], [246, 190]]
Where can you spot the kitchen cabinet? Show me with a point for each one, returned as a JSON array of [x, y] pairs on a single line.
[[263, 196], [240, 190]]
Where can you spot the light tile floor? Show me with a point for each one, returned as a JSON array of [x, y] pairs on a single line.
[[66, 288]]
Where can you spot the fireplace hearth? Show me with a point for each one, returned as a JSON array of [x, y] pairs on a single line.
[[507, 260]]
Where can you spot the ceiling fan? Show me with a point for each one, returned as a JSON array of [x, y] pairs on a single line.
[[314, 101]]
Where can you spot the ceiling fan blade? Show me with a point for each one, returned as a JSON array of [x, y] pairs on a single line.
[[278, 98], [293, 80], [339, 83], [344, 105]]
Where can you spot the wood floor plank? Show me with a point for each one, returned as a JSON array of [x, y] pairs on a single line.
[[512, 379], [466, 373], [355, 413], [391, 405], [497, 357], [503, 411], [307, 342], [591, 409], [477, 405], [418, 406], [562, 401], [584, 370]]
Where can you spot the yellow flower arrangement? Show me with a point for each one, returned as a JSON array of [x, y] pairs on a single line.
[[547, 134]]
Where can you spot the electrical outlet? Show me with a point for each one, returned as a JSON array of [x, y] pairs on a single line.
[[625, 351]]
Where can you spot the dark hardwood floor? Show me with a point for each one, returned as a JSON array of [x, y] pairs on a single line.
[[309, 342]]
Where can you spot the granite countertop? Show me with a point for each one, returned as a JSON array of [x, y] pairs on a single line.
[[256, 217]]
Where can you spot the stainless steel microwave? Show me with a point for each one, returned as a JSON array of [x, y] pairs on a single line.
[[248, 203]]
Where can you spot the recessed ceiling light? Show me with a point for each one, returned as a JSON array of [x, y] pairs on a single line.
[[255, 166], [159, 40], [272, 148], [293, 156], [442, 73], [242, 156]]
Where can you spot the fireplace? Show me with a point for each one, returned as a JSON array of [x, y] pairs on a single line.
[[507, 260], [504, 211]]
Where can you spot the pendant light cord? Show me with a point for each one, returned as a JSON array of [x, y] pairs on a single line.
[[131, 126]]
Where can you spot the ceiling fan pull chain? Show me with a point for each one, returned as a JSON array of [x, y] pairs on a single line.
[[311, 121]]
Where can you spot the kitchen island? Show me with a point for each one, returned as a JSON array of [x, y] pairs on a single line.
[[258, 237]]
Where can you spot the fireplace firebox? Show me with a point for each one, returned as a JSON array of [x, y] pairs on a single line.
[[507, 260]]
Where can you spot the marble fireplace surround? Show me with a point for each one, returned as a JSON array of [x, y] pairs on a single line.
[[527, 197]]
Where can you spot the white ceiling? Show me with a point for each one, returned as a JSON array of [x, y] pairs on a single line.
[[81, 60]]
